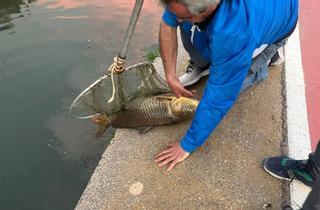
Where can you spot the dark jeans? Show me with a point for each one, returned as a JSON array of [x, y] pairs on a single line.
[[259, 69], [313, 166]]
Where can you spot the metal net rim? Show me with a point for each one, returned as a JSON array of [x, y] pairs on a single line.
[[80, 96], [85, 91]]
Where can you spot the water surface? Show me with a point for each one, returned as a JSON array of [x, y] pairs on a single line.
[[50, 50]]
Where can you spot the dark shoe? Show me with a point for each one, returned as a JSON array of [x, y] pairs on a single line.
[[278, 58], [193, 74], [288, 169]]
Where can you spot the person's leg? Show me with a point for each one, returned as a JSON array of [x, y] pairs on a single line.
[[259, 69], [313, 199], [195, 56], [198, 66], [313, 164]]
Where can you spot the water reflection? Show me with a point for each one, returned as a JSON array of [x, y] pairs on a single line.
[[124, 5], [9, 10], [101, 9], [59, 47], [98, 9]]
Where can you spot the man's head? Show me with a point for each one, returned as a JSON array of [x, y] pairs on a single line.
[[192, 10]]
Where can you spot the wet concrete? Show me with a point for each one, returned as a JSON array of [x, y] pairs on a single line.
[[225, 173]]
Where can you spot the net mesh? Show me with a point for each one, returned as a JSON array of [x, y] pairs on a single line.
[[137, 81]]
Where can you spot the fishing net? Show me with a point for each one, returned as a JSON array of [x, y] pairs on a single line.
[[112, 93]]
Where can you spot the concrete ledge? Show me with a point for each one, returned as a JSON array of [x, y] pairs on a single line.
[[225, 173], [297, 119]]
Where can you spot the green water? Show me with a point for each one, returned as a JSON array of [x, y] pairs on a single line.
[[50, 50]]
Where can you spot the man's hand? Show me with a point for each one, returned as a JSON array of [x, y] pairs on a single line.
[[173, 155], [168, 51], [178, 89]]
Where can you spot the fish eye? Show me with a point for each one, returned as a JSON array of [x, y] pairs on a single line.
[[189, 109]]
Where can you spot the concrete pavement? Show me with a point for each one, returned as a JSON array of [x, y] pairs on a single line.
[[225, 173]]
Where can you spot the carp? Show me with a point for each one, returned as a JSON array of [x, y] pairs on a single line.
[[148, 112]]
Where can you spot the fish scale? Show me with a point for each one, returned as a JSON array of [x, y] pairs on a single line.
[[148, 111], [142, 112]]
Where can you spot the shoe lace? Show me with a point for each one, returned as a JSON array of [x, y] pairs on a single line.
[[292, 178], [190, 67], [301, 166]]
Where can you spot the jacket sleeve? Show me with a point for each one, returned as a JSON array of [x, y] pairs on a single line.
[[230, 62], [170, 18]]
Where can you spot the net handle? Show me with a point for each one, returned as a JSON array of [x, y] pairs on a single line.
[[132, 24]]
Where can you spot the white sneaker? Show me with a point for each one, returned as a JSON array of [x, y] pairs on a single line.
[[193, 74], [279, 58]]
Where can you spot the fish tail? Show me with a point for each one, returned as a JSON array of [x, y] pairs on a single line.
[[103, 123]]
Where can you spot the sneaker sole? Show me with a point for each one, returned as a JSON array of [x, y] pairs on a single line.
[[197, 78], [282, 178], [275, 175]]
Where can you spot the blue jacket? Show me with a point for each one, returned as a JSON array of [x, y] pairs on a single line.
[[236, 29]]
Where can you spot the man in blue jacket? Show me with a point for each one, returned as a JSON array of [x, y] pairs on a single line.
[[236, 39]]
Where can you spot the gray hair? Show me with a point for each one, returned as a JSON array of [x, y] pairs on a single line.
[[194, 6]]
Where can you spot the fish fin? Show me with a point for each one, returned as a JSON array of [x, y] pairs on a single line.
[[165, 97], [145, 129], [103, 123], [100, 131]]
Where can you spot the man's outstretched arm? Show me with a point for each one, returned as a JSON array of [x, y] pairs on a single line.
[[169, 50], [233, 59]]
